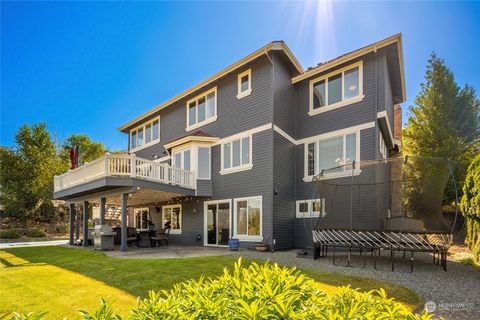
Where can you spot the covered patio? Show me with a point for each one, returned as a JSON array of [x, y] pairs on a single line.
[[111, 188]]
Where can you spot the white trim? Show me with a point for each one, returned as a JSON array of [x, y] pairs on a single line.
[[166, 158], [360, 127], [355, 54], [382, 147], [383, 114], [310, 213], [259, 129], [331, 134], [191, 139], [139, 210], [284, 134], [205, 231], [207, 120], [193, 147], [334, 175], [242, 166], [343, 102], [143, 126], [173, 231], [246, 237], [247, 92], [275, 45], [339, 133], [197, 173]]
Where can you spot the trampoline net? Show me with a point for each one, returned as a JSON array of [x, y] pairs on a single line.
[[398, 194]]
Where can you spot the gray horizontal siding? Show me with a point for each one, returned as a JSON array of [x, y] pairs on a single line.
[[284, 196], [343, 117], [338, 211], [254, 182], [234, 115]]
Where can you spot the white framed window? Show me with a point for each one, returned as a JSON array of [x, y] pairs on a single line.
[[310, 208], [202, 109], [247, 221], [334, 153], [236, 155], [195, 158], [382, 146], [142, 218], [145, 134], [336, 89], [204, 161], [182, 159], [244, 83], [172, 217]]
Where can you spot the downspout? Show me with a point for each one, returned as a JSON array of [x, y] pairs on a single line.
[[271, 239]]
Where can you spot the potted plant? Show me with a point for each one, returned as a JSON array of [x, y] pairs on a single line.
[[233, 244], [262, 247]]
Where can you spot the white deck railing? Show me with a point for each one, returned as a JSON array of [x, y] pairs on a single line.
[[126, 166]]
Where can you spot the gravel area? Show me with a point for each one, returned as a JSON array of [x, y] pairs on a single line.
[[456, 293]]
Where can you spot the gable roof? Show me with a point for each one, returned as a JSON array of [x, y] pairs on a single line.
[[393, 40], [198, 135], [274, 45]]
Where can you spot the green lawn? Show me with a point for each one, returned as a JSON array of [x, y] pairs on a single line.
[[61, 280]]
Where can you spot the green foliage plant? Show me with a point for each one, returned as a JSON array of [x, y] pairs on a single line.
[[265, 291]]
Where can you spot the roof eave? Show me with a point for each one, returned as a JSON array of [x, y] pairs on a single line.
[[357, 53], [275, 45]]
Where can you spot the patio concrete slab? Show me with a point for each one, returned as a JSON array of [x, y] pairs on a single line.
[[169, 252]]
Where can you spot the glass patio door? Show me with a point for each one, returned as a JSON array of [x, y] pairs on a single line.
[[218, 223]]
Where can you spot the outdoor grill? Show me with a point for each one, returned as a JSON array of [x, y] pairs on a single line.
[[103, 237]]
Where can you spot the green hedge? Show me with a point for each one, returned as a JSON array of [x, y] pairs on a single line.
[[472, 239], [15, 233], [9, 234], [470, 206]]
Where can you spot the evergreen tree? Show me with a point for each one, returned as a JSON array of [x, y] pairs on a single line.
[[444, 120]]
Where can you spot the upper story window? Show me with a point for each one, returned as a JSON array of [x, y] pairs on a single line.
[[336, 89], [182, 159], [194, 158], [244, 84], [334, 154], [202, 109], [236, 155], [145, 135]]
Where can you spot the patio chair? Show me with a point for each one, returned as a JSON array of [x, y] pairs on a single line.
[[161, 237]]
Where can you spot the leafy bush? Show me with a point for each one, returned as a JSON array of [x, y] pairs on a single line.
[[28, 316], [261, 292], [470, 206], [9, 234], [37, 233]]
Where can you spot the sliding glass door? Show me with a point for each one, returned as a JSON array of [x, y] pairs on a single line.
[[217, 222]]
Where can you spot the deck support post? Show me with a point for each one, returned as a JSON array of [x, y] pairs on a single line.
[[85, 223], [77, 225], [103, 202], [71, 221], [123, 245]]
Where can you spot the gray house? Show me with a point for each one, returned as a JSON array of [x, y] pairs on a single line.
[[235, 155]]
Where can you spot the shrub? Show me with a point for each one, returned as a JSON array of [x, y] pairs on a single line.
[[28, 316], [37, 233], [470, 206], [9, 234], [261, 292]]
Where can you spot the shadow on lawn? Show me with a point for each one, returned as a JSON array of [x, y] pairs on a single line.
[[135, 276]]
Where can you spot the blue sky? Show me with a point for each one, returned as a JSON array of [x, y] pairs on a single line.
[[88, 67]]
